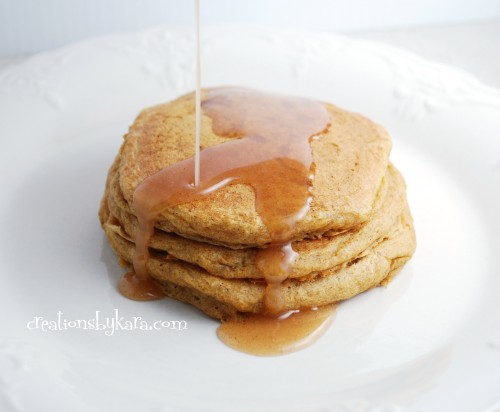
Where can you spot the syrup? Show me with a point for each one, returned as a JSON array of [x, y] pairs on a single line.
[[270, 151], [269, 336]]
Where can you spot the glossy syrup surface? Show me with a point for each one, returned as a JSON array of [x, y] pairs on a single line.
[[269, 151], [270, 336]]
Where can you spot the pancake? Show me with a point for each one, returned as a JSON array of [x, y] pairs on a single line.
[[350, 158], [369, 269], [314, 254]]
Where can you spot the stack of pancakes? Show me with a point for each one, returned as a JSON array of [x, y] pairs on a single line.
[[356, 235]]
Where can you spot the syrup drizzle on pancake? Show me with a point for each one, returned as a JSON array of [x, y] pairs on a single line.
[[270, 151]]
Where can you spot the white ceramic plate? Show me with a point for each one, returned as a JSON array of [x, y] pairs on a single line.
[[428, 342]]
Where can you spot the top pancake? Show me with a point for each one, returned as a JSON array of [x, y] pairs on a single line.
[[351, 159]]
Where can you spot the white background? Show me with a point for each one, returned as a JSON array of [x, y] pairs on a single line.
[[461, 33], [28, 26]]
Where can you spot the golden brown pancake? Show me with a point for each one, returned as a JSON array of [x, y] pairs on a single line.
[[314, 254], [351, 159], [360, 273]]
